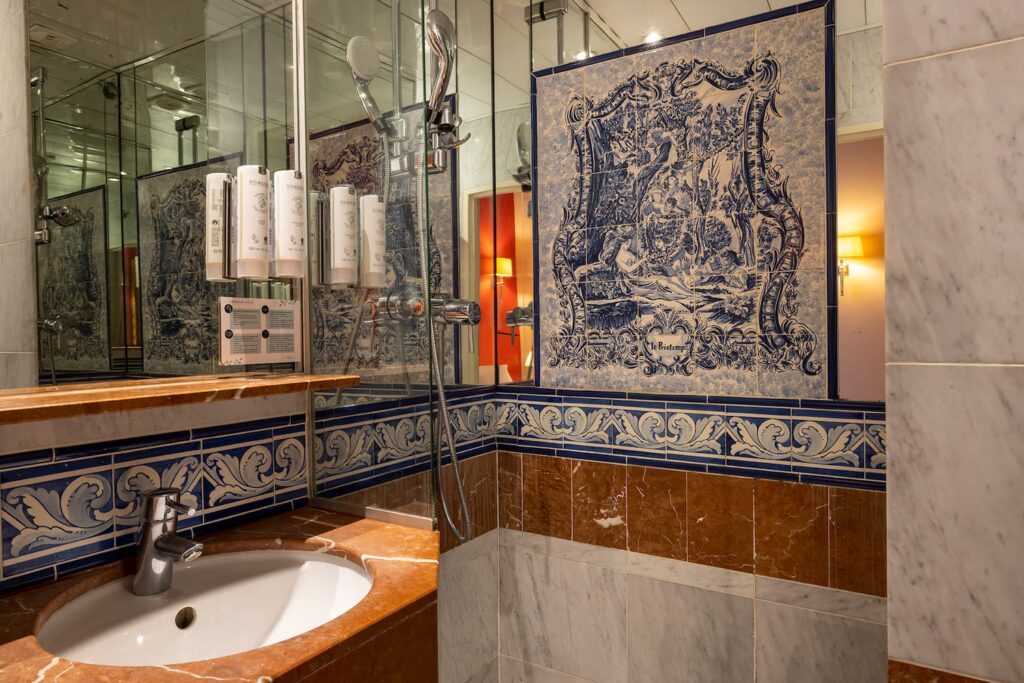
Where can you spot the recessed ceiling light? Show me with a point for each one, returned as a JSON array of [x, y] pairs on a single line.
[[652, 37], [582, 54]]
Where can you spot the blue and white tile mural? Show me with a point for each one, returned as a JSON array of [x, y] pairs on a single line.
[[71, 278], [681, 216], [343, 340], [180, 334]]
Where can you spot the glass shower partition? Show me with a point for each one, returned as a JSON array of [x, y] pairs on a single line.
[[364, 105]]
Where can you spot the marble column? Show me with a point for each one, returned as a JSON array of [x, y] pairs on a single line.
[[17, 262], [954, 97]]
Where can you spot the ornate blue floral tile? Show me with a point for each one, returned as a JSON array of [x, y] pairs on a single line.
[[695, 433], [56, 512], [638, 428], [345, 449], [874, 445], [755, 436], [672, 259], [405, 437], [823, 441], [290, 468], [179, 467], [238, 474]]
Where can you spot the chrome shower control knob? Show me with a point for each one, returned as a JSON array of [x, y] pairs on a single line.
[[455, 311]]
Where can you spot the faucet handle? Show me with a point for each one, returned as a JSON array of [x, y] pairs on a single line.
[[181, 508], [170, 498]]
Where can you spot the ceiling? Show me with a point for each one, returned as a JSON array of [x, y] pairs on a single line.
[[81, 43]]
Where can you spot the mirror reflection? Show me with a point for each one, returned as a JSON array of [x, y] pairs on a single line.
[[129, 116]]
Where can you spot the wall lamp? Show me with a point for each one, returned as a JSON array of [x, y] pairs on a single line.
[[847, 248]]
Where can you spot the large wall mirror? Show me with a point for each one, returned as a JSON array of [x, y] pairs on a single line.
[[133, 104]]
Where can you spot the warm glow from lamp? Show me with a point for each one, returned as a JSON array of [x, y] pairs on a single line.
[[503, 267], [850, 247]]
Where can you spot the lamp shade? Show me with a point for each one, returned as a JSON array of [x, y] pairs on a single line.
[[503, 267], [850, 247]]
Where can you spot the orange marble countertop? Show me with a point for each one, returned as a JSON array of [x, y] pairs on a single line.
[[74, 400], [402, 561]]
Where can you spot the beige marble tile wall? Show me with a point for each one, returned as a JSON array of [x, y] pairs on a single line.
[[31, 436], [954, 97], [17, 294], [576, 613]]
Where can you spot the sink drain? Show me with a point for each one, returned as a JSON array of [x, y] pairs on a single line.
[[185, 617]]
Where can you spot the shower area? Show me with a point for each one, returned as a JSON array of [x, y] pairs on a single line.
[[425, 106]]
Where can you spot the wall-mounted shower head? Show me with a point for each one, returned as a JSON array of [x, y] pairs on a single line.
[[364, 61], [63, 216], [440, 34]]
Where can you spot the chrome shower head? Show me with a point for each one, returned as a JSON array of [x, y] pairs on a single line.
[[65, 216], [364, 61], [440, 34]]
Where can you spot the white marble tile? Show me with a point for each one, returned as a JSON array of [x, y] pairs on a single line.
[[841, 603], [802, 646], [956, 518], [517, 671], [16, 370], [467, 617], [510, 616], [916, 28], [16, 191], [954, 244], [691, 574], [17, 263], [14, 109], [573, 617], [680, 633], [569, 550], [866, 76], [488, 674]]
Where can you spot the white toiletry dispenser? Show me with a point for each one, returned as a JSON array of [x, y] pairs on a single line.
[[288, 228], [251, 230], [216, 215], [372, 267], [344, 236]]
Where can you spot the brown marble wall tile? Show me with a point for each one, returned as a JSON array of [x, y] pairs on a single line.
[[480, 483], [903, 672], [547, 496], [510, 490], [599, 503], [720, 521], [791, 523], [857, 540], [656, 511]]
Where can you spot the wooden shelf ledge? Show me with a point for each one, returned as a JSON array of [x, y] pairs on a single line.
[[74, 400]]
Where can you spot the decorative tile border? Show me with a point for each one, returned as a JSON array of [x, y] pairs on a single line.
[[69, 508], [827, 442]]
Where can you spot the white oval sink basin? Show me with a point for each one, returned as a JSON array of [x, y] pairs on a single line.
[[217, 606]]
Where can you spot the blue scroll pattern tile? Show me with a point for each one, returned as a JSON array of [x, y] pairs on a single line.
[[56, 514], [53, 512]]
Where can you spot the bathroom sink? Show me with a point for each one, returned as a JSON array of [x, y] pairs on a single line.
[[217, 606]]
